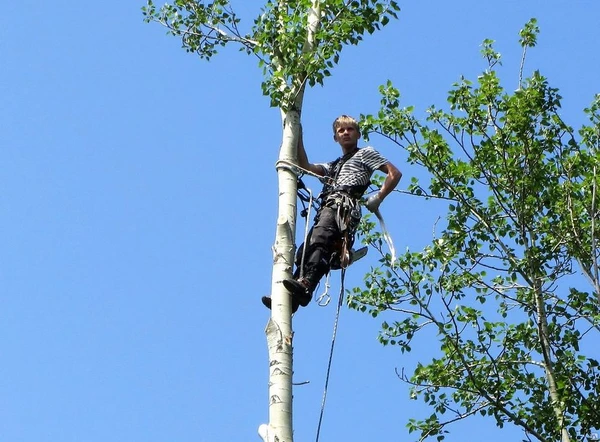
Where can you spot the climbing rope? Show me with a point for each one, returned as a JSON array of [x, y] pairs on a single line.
[[306, 214], [299, 171], [335, 326]]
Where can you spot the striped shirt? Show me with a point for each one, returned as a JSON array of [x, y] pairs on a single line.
[[357, 170]]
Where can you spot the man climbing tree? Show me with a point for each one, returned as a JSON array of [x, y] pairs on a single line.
[[296, 44], [332, 236]]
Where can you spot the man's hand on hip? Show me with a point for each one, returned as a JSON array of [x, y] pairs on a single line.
[[373, 202]]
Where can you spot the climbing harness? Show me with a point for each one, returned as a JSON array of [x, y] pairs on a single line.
[[328, 181], [335, 326]]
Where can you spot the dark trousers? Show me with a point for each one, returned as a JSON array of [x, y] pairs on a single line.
[[324, 238]]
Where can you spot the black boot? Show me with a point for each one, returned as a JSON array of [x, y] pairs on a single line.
[[301, 289], [267, 303]]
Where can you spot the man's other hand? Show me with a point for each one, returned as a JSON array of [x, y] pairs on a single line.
[[373, 202]]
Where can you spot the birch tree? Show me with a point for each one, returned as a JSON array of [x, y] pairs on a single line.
[[500, 284], [296, 43]]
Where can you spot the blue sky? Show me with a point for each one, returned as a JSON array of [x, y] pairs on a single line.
[[138, 203]]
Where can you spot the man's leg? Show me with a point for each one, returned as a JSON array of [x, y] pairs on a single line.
[[322, 240]]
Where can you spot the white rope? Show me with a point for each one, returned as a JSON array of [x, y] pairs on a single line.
[[386, 235], [300, 171]]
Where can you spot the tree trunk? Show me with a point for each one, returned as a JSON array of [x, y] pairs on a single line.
[[279, 328], [548, 363]]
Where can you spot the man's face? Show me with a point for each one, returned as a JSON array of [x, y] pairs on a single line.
[[346, 135]]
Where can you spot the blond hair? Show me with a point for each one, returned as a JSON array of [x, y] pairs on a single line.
[[345, 119]]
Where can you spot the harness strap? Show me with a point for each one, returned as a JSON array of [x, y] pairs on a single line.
[[346, 208], [334, 172]]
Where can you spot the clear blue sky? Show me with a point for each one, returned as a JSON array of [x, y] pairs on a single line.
[[137, 212]]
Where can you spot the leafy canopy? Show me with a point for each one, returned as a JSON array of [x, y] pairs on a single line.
[[496, 287], [296, 43]]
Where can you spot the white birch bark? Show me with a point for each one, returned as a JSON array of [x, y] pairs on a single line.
[[279, 328]]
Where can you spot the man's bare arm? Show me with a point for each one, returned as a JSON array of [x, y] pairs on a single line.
[[391, 180], [303, 158]]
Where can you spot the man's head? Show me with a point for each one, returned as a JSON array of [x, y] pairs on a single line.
[[346, 131]]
